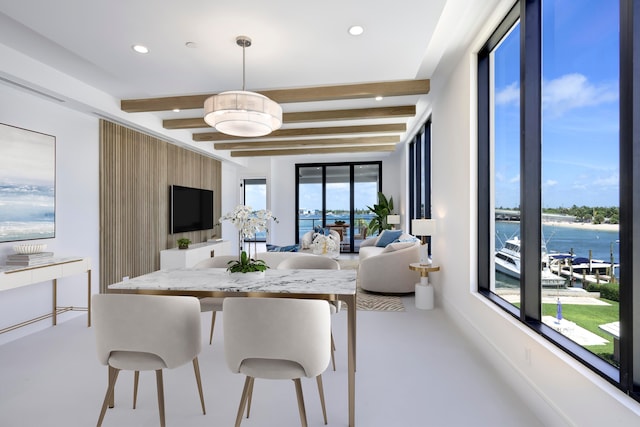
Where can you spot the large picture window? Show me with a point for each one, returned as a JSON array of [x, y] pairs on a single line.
[[554, 149]]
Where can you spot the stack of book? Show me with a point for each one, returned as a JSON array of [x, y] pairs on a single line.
[[27, 260]]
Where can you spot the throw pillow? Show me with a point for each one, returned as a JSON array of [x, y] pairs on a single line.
[[276, 248], [396, 246], [387, 236], [318, 229]]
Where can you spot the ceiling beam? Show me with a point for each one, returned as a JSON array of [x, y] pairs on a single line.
[[292, 143], [352, 114], [284, 96], [311, 116], [316, 150], [333, 130]]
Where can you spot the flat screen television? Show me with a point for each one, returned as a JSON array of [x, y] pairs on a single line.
[[191, 209]]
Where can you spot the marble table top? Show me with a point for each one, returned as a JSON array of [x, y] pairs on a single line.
[[307, 281]]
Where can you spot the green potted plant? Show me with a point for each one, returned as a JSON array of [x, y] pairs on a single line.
[[381, 209], [183, 243], [247, 265]]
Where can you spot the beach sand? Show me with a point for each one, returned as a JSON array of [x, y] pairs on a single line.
[[584, 225]]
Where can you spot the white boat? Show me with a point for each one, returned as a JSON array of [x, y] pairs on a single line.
[[507, 261]]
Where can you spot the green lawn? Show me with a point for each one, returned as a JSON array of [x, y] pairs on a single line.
[[589, 317]]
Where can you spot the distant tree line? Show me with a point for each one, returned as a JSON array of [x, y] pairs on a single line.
[[593, 214]]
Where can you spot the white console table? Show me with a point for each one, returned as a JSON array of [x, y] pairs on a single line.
[[16, 276], [185, 258]]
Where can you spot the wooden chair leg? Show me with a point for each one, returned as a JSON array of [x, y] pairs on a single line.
[[113, 376], [301, 409], [136, 378], [333, 350], [321, 393], [213, 322], [248, 383], [196, 369], [160, 386], [250, 398]]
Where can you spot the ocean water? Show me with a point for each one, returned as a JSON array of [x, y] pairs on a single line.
[[562, 239], [26, 212], [307, 222]]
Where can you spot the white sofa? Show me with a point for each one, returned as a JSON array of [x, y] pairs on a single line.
[[386, 269]]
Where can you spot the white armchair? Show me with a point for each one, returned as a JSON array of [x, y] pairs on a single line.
[[386, 269]]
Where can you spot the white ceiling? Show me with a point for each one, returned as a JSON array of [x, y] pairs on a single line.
[[295, 44]]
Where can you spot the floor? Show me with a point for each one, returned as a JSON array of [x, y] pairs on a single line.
[[414, 369]]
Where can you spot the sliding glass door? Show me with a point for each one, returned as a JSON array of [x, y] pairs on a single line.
[[336, 196]]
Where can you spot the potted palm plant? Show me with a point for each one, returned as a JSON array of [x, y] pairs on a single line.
[[381, 209]]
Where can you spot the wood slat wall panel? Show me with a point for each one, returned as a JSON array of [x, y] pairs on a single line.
[[135, 173]]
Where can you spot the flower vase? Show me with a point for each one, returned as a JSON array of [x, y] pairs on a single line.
[[251, 275]]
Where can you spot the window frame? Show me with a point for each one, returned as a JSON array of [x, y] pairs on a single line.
[[419, 172]]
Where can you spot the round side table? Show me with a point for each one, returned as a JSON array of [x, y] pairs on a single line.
[[424, 291]]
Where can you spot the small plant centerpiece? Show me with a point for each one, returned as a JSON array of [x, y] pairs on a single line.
[[248, 222], [183, 243], [247, 265]]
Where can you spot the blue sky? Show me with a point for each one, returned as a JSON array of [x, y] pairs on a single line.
[[338, 196], [580, 107]]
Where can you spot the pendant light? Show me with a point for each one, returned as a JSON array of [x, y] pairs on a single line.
[[242, 113]]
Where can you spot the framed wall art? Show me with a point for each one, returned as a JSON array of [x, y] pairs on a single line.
[[27, 184]]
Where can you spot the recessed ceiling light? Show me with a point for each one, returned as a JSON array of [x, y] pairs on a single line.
[[176, 110], [378, 98], [140, 48], [356, 30]]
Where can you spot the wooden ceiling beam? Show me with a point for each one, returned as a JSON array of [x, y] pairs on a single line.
[[352, 114], [316, 150], [284, 96], [297, 132], [311, 116], [293, 143]]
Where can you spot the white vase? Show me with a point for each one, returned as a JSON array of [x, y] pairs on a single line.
[[250, 275], [424, 254]]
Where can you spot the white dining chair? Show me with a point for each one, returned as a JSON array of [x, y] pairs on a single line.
[[213, 304], [316, 262], [309, 262], [277, 338], [146, 333]]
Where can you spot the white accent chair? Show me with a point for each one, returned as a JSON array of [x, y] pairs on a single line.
[[315, 262], [144, 333], [386, 269], [277, 338], [210, 303]]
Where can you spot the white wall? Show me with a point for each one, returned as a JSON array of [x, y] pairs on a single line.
[[77, 204], [558, 388]]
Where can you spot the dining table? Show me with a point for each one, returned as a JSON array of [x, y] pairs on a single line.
[[330, 285]]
